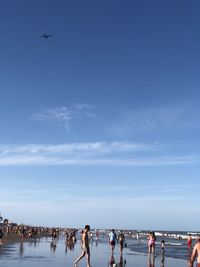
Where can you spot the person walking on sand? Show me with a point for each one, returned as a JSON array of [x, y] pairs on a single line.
[[85, 246], [195, 254], [121, 240], [112, 239]]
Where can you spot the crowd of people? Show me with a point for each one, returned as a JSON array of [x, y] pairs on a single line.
[[21, 232]]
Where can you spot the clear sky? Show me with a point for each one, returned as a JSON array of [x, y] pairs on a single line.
[[100, 122]]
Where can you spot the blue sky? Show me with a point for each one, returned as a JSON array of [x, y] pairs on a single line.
[[100, 122]]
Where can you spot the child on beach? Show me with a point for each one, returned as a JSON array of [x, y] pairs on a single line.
[[85, 246], [163, 247]]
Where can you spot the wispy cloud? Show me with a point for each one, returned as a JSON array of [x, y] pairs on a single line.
[[97, 153], [64, 116], [99, 147], [176, 118], [68, 191]]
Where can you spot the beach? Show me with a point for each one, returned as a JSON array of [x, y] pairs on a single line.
[[45, 252]]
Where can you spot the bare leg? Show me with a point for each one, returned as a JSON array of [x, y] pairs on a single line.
[[88, 260], [82, 255], [113, 247], [120, 249]]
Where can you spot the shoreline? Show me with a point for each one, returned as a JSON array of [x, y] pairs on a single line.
[[135, 246], [15, 239], [100, 254]]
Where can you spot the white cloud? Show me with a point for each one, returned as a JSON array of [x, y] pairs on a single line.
[[97, 153], [64, 116]]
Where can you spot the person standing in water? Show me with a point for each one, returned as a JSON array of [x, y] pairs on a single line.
[[85, 246], [151, 243], [189, 241]]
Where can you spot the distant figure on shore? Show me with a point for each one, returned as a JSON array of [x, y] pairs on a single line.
[[1, 236], [23, 232], [54, 234], [138, 236], [195, 254], [121, 240], [112, 239], [189, 241], [53, 246], [97, 234], [91, 236], [151, 242], [81, 233], [163, 253], [21, 249], [85, 246], [163, 247]]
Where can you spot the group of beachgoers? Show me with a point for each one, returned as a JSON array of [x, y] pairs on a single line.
[[120, 238], [23, 232], [113, 238]]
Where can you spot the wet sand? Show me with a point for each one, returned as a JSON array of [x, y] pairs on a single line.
[[45, 253]]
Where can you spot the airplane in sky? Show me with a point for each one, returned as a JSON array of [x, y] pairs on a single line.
[[46, 36]]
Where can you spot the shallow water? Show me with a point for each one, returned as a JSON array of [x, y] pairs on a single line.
[[173, 248], [44, 253]]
